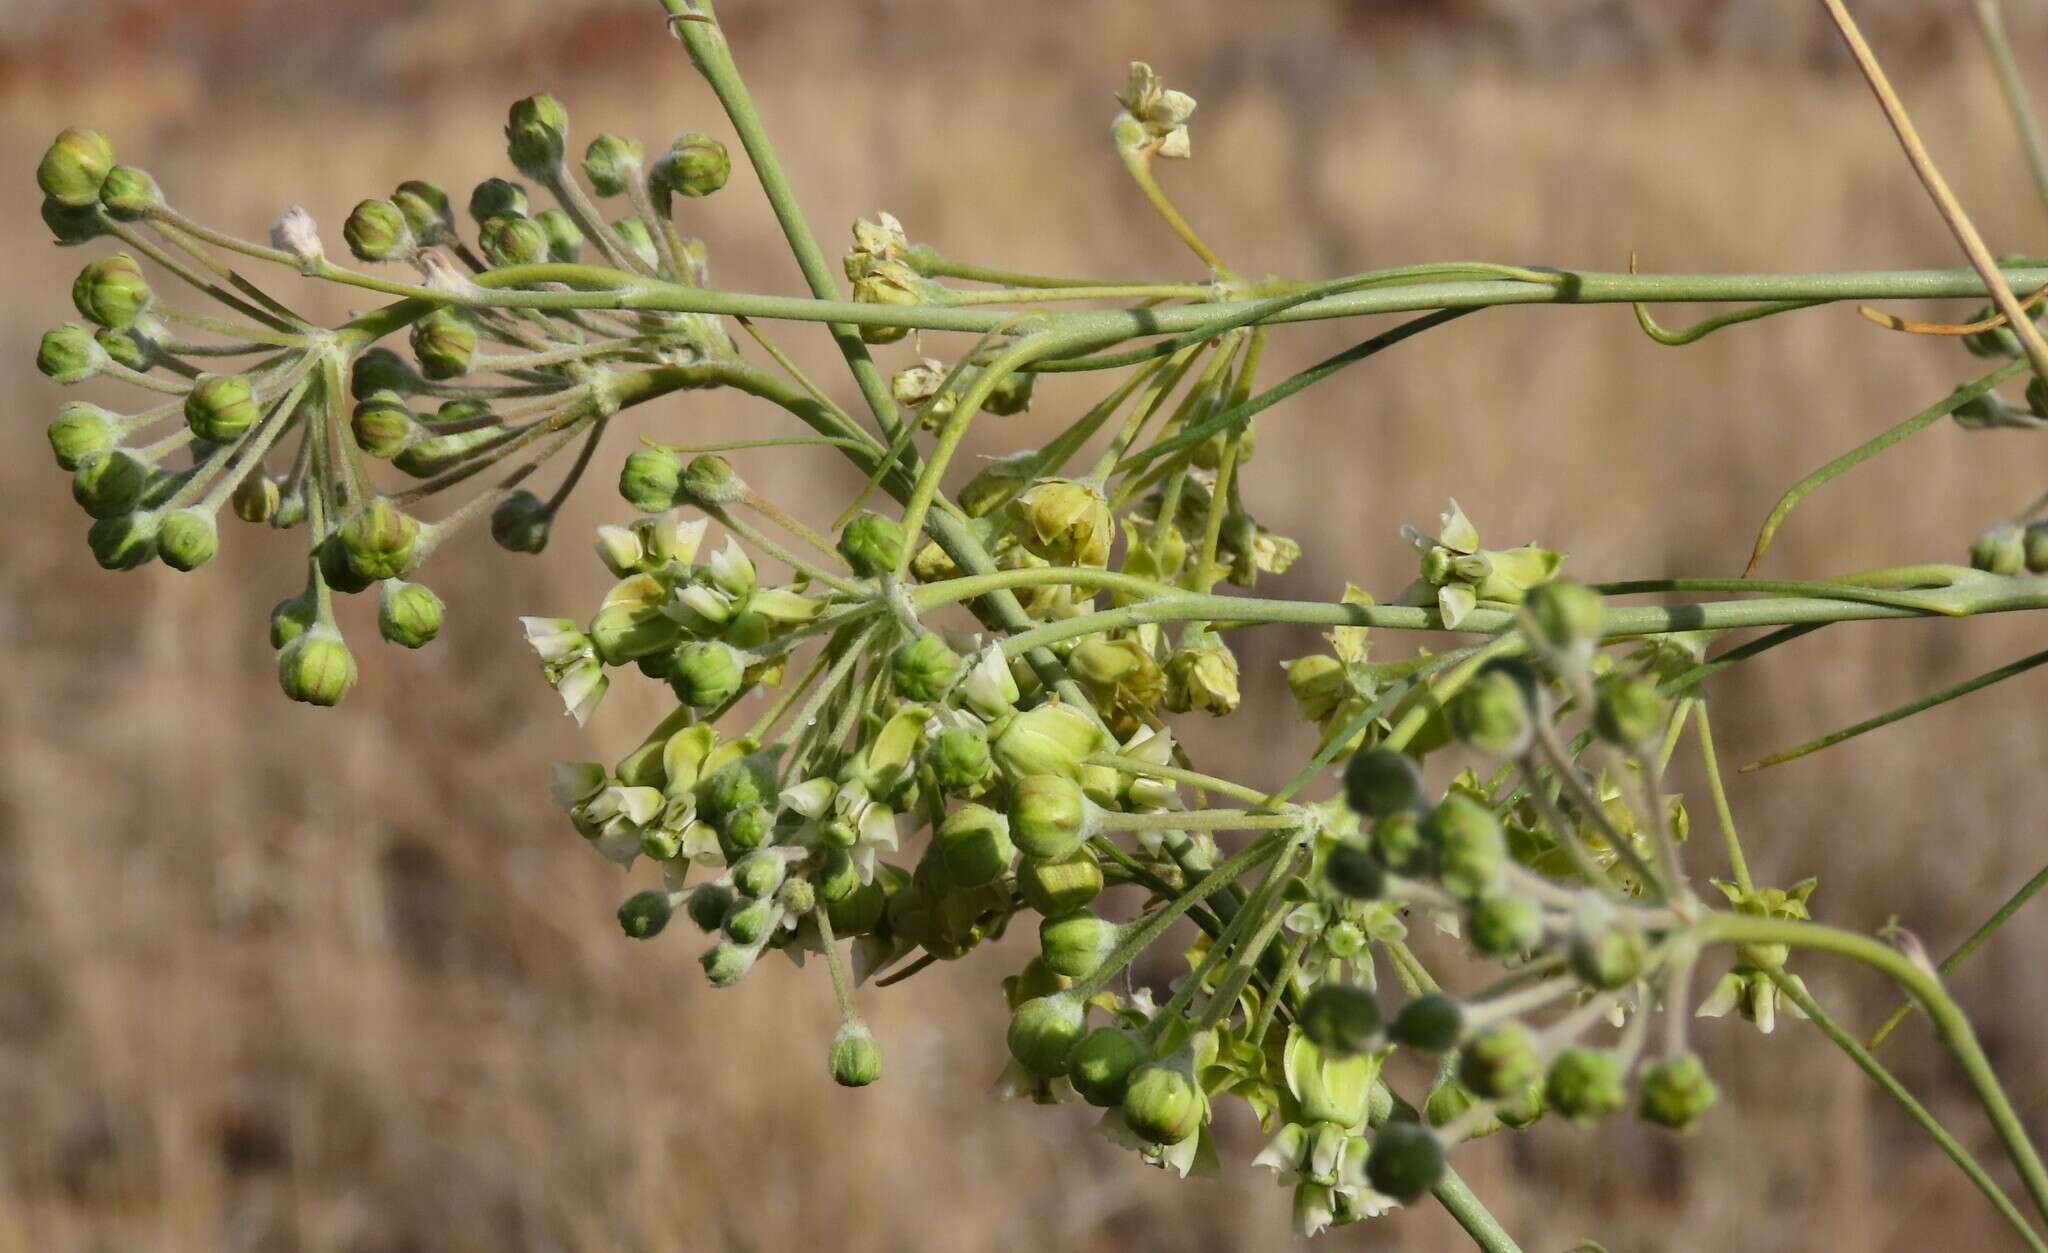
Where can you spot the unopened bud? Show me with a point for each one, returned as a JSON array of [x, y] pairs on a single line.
[[644, 914], [316, 667], [1495, 712], [1351, 869], [408, 614], [380, 540], [1586, 1084], [1341, 1019], [220, 407], [81, 430], [507, 241], [565, 238], [924, 669], [2000, 550], [444, 342], [1428, 1023], [123, 541], [75, 165], [695, 165], [522, 522], [383, 424], [426, 209], [651, 479], [1381, 781], [1628, 711], [612, 162], [1406, 1160], [70, 354], [1500, 1062], [536, 132], [872, 545], [1044, 1031], [1163, 1103], [109, 483], [1504, 925], [376, 230], [1401, 843], [856, 1059], [1675, 1092], [496, 197], [707, 674], [1102, 1063], [1471, 849], [111, 291], [187, 539], [974, 846]]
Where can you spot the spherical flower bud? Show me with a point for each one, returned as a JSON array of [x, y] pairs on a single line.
[[342, 577], [612, 162], [1058, 887], [565, 238], [2036, 544], [187, 539], [694, 165], [1586, 1084], [70, 226], [707, 673], [536, 131], [497, 197], [960, 761], [1351, 869], [1076, 942], [258, 498], [380, 540], [1495, 712], [427, 211], [1428, 1023], [924, 669], [758, 874], [1012, 396], [974, 846], [408, 614], [1675, 1092], [1341, 1019], [2000, 550], [220, 407], [128, 194], [1406, 1161], [507, 240], [1503, 925], [745, 830], [856, 1058], [1400, 842], [632, 232], [1053, 738], [376, 230], [872, 545], [74, 167], [444, 342], [379, 370], [707, 906], [1043, 1032], [1471, 849], [126, 346], [70, 354], [521, 523], [383, 424], [750, 922], [1565, 615], [1101, 1065], [316, 667], [1162, 1102], [123, 541], [80, 431], [1500, 1062], [292, 617], [644, 914], [1628, 711], [1065, 522], [1381, 781], [651, 480], [1606, 955], [109, 483], [727, 964], [111, 291]]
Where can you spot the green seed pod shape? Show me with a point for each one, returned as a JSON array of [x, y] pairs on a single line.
[[1162, 1103], [1048, 816], [872, 545], [1406, 1161], [856, 1060], [1471, 850], [383, 425], [1430, 1023], [380, 540], [1500, 1062], [187, 539], [644, 914], [1056, 887], [1380, 781], [960, 761], [1043, 1032], [1495, 713], [111, 291], [707, 673], [1101, 1065], [1341, 1019], [408, 614], [1075, 943], [651, 480], [221, 407], [377, 230], [974, 844], [74, 167], [316, 668], [69, 354], [1675, 1092], [1504, 925], [1586, 1084], [612, 162]]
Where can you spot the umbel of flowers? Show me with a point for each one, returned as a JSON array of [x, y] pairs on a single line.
[[951, 712]]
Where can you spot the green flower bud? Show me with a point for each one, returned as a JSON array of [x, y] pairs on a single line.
[[444, 342], [1057, 887], [745, 830], [1566, 615], [1012, 396], [1065, 522], [383, 425], [872, 545], [521, 522], [1675, 1092], [1400, 841], [960, 761], [1448, 1101], [2036, 542], [856, 1059], [750, 922], [1353, 870], [1043, 1032], [427, 211], [2000, 550], [123, 541], [1102, 1063], [80, 431], [727, 964], [1053, 738], [707, 674], [507, 241], [1500, 1062], [974, 846], [111, 291], [757, 874], [651, 480], [220, 407], [316, 667], [1049, 816], [1406, 1161], [1075, 943], [73, 169], [707, 906], [694, 165], [1606, 955], [1524, 1109], [1341, 1019], [1495, 712], [709, 481], [126, 346], [1380, 781], [1628, 711], [332, 554], [70, 354], [1428, 1023], [632, 232], [128, 194], [258, 498], [797, 897], [1162, 1103], [380, 540], [408, 614], [536, 131], [612, 162], [1586, 1084], [644, 914], [1502, 925], [1202, 675], [109, 483], [71, 226], [924, 669], [376, 230], [497, 197], [292, 617], [187, 539], [565, 238], [860, 910], [1471, 850], [380, 370]]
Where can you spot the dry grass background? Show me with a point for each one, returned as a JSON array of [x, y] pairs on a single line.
[[275, 980]]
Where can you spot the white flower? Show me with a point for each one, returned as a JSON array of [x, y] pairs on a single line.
[[297, 233], [573, 782], [731, 569], [989, 688]]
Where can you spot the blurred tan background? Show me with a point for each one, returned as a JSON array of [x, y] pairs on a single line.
[[275, 980]]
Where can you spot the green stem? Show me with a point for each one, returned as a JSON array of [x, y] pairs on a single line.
[[1991, 22], [1736, 860], [1969, 946]]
